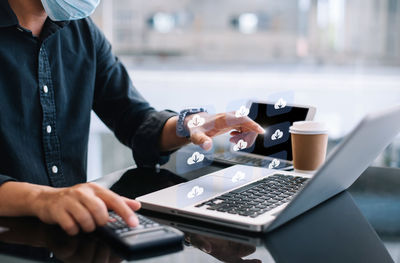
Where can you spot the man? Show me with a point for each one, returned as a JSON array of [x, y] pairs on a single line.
[[56, 66]]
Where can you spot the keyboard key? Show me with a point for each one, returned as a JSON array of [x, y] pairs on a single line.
[[244, 213], [116, 223]]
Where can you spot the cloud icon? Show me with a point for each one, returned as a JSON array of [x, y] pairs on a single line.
[[196, 191], [277, 135], [280, 104], [239, 176], [195, 158], [274, 163], [196, 121], [240, 145], [242, 112]]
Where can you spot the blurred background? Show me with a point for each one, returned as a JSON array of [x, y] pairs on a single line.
[[341, 56]]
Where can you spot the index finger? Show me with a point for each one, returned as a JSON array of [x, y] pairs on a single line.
[[250, 125], [119, 206]]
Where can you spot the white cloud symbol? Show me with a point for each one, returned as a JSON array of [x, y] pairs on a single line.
[[280, 104], [196, 121], [196, 191], [274, 163], [242, 112], [195, 158], [240, 145], [239, 176], [277, 135]]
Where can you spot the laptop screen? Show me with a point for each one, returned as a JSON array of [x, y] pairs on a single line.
[[276, 142]]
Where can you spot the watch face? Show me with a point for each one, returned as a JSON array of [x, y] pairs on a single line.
[[180, 126], [195, 110], [196, 121]]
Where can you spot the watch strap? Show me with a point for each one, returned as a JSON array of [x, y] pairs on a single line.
[[181, 130]]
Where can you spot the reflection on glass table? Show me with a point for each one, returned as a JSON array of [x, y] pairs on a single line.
[[28, 238]]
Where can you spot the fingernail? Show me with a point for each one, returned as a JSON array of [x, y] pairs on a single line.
[[207, 145], [133, 221], [261, 130]]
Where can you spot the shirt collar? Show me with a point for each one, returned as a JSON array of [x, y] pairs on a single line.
[[50, 27]]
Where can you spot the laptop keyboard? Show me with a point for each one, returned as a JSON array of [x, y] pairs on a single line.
[[257, 198]]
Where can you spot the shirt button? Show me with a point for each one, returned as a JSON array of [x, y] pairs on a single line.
[[54, 169], [48, 129], [45, 89]]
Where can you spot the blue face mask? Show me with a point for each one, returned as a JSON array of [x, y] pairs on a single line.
[[62, 10]]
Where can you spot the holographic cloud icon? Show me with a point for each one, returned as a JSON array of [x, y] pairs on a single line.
[[195, 158], [243, 111], [239, 176], [196, 121], [196, 191], [240, 145], [274, 163], [280, 104], [277, 135]]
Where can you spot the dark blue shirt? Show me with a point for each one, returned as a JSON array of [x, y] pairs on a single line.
[[48, 87]]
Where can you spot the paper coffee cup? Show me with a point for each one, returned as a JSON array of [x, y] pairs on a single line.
[[309, 143]]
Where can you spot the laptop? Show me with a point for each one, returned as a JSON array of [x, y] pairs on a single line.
[[259, 199], [310, 229], [265, 152]]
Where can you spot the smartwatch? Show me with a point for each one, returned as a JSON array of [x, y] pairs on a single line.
[[181, 130]]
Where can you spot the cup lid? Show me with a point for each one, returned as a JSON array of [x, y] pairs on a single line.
[[308, 127]]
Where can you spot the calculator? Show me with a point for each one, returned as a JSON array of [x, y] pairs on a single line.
[[148, 235]]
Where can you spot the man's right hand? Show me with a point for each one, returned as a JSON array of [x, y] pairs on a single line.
[[82, 206]]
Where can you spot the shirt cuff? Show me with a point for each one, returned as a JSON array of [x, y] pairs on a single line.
[[5, 178], [146, 142]]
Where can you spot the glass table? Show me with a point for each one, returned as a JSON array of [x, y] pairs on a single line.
[[358, 225]]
